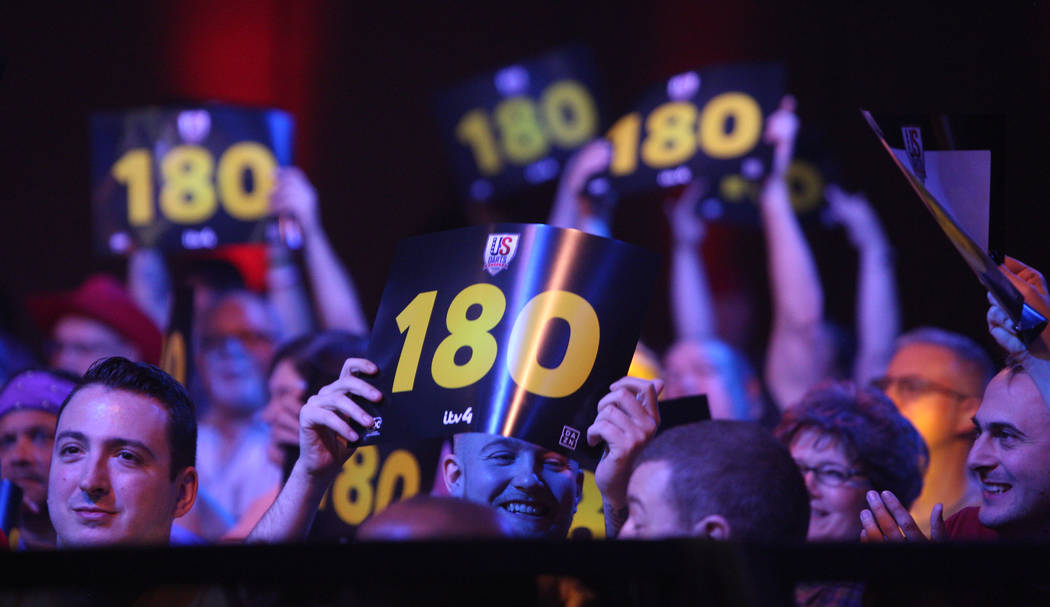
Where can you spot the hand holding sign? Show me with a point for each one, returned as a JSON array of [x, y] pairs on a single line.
[[326, 438], [1035, 357], [627, 418]]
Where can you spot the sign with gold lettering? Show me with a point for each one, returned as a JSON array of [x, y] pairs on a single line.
[[515, 127], [184, 178], [525, 352]]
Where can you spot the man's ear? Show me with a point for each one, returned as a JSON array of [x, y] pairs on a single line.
[[713, 526], [186, 484], [964, 413], [452, 472]]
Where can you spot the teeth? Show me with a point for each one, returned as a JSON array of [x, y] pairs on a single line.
[[521, 508], [995, 488]]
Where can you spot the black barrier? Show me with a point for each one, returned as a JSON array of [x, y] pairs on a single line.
[[673, 572]]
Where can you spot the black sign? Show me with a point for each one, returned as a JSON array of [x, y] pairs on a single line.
[[515, 127], [734, 198], [509, 329], [184, 178], [703, 123], [935, 163]]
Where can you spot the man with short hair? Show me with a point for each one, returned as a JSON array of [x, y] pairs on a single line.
[[937, 378], [534, 490], [1010, 457], [97, 320], [718, 479], [234, 344], [123, 467]]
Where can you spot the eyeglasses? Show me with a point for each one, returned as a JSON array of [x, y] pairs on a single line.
[[910, 387], [829, 475], [249, 339]]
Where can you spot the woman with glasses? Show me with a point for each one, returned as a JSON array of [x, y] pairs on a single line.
[[848, 441]]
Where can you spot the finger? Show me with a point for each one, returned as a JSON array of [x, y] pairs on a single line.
[[344, 406], [352, 385], [358, 365], [635, 432], [938, 533], [318, 419], [887, 524], [997, 317], [632, 408], [870, 529], [604, 430], [904, 519], [788, 103]]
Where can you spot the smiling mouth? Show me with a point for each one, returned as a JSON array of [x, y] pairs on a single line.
[[994, 488], [525, 509]]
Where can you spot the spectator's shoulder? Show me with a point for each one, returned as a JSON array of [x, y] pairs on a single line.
[[965, 526]]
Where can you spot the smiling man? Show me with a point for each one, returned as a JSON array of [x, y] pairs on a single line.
[[535, 491], [1010, 458], [123, 463]]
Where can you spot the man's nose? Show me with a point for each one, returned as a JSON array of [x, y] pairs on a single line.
[[525, 473], [981, 455], [22, 451], [94, 481]]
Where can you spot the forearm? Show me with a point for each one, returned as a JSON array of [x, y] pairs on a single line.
[[150, 285], [565, 210], [798, 298], [691, 303], [337, 299], [289, 518], [615, 517], [878, 311], [289, 300]]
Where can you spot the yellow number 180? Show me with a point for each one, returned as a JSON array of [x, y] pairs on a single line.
[[187, 195], [473, 331]]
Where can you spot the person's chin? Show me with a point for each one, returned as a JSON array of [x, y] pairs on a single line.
[[529, 527]]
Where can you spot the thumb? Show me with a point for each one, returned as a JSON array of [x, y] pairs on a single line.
[[938, 532]]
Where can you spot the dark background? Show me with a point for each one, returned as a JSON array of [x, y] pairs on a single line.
[[359, 79]]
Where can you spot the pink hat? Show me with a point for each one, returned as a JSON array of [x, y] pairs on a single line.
[[102, 298]]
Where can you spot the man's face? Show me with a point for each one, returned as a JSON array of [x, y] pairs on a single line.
[[234, 353], [110, 480], [652, 513], [26, 439], [80, 341], [1011, 456], [933, 391], [691, 369], [534, 490]]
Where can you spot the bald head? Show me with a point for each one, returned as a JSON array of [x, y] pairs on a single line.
[[427, 517]]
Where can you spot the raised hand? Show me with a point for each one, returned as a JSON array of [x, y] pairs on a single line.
[[887, 520], [627, 419], [294, 195], [326, 438]]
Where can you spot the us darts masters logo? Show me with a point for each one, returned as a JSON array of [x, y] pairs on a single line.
[[499, 251]]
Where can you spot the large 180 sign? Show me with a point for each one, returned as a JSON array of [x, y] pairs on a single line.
[[515, 127], [184, 178], [521, 344]]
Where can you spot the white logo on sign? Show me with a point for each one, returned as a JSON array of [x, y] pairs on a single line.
[[499, 250], [377, 424], [194, 125], [452, 418], [913, 145], [683, 86], [569, 437]]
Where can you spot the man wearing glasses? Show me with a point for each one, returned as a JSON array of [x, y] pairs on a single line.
[[937, 379]]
